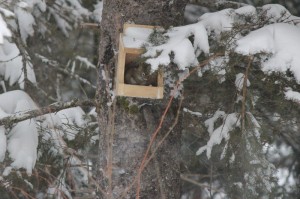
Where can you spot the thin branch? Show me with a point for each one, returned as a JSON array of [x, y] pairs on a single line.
[[75, 76], [19, 117], [1, 61], [218, 5], [185, 178], [90, 25], [111, 133], [153, 152], [155, 133], [42, 91], [65, 71], [245, 92]]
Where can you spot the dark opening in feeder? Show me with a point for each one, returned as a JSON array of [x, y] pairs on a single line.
[[137, 72]]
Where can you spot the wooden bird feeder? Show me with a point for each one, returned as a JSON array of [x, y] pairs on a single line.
[[129, 51]]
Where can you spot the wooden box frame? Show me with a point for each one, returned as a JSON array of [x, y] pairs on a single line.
[[125, 56]]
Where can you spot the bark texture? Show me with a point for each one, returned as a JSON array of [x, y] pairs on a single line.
[[127, 133]]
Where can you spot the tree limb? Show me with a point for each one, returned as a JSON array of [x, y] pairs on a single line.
[[218, 5], [19, 117], [54, 64]]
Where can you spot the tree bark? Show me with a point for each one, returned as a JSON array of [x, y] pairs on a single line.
[[124, 137]]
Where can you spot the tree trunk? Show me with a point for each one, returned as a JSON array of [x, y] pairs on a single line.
[[124, 136]]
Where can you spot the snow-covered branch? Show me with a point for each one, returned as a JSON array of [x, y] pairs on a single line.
[[218, 5], [18, 117], [65, 71]]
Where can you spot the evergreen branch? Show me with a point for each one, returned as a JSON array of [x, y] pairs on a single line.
[[218, 5], [90, 25], [162, 119], [42, 91], [53, 108], [75, 76], [65, 71], [4, 61], [246, 75]]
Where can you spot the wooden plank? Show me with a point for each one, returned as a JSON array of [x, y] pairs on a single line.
[[142, 91], [121, 61], [120, 89], [127, 55], [134, 50], [128, 25]]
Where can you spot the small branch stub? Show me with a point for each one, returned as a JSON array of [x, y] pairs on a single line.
[[90, 25]]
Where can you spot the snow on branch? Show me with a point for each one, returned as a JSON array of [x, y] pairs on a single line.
[[65, 71], [281, 40], [278, 41], [18, 117], [218, 5], [4, 31], [292, 95], [230, 122]]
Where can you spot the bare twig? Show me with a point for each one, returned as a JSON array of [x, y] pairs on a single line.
[[18, 117], [218, 5], [65, 71], [90, 25], [245, 92], [153, 152], [3, 61], [72, 75], [155, 133], [185, 178], [42, 91], [111, 132]]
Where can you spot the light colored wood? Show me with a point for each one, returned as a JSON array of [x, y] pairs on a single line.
[[127, 55], [141, 91], [129, 25], [134, 50], [121, 61]]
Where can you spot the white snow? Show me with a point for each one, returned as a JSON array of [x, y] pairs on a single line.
[[136, 37], [81, 174], [85, 62], [63, 25], [209, 123], [230, 121], [2, 143], [2, 136], [292, 95], [239, 81], [25, 21], [246, 10], [7, 13], [281, 40], [97, 13], [255, 125], [4, 31], [72, 115], [65, 119], [285, 178], [218, 21], [9, 101], [198, 114], [22, 140], [59, 190], [271, 39], [185, 51], [276, 12], [12, 69]]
